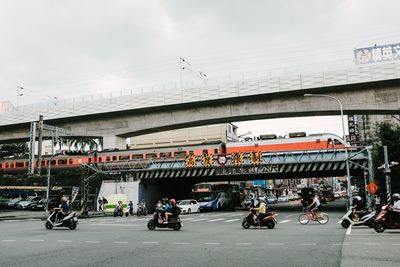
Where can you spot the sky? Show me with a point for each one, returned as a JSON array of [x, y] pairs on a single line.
[[72, 48]]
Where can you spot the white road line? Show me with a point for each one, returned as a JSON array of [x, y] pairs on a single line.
[[120, 242], [290, 215], [340, 221], [308, 244], [215, 220], [150, 242], [348, 232], [33, 219], [372, 244], [114, 224], [212, 243], [8, 240], [341, 244], [13, 220], [36, 240], [180, 243], [243, 244], [64, 241], [284, 221], [234, 215], [92, 242], [396, 244], [275, 244], [233, 220], [197, 220]]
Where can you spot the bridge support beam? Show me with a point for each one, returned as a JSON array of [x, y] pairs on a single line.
[[112, 141]]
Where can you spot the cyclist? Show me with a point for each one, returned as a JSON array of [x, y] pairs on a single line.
[[313, 207]]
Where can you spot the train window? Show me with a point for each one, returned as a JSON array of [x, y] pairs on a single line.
[[137, 156], [53, 162], [90, 160], [216, 151], [62, 162], [115, 158], [7, 165], [151, 155], [205, 151], [165, 154], [43, 162], [26, 163], [336, 142], [108, 158], [180, 154], [318, 141], [19, 164], [100, 159], [191, 152], [70, 161], [124, 157], [12, 165]]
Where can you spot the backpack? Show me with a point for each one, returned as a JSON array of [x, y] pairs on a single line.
[[105, 201]]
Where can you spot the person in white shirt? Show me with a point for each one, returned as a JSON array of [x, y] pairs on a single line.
[[314, 206], [396, 207]]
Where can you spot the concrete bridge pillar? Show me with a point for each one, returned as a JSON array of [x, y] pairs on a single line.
[[112, 141]]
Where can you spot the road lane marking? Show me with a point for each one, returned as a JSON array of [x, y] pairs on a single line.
[[372, 244], [215, 220], [232, 220], [348, 232], [275, 244], [212, 243], [341, 244], [198, 220], [150, 242], [396, 244], [9, 240], [234, 215], [284, 221], [243, 244], [115, 224], [290, 215], [36, 240], [180, 243], [33, 219], [92, 242], [120, 242], [64, 241], [308, 244]]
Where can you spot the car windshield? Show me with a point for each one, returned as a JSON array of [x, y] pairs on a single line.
[[184, 202]]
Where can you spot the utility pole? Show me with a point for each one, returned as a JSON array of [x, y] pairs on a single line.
[[386, 169], [40, 141]]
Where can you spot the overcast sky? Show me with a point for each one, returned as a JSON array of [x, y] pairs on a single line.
[[71, 48]]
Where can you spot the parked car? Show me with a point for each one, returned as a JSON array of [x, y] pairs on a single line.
[[283, 199], [189, 206], [296, 196], [291, 197], [271, 199], [25, 204]]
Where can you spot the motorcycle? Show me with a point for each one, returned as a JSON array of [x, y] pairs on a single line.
[[384, 220], [174, 222], [267, 220], [141, 210], [70, 221], [130, 212], [367, 218]]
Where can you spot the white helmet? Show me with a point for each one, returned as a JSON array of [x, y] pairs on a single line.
[[358, 198], [262, 199], [396, 196]]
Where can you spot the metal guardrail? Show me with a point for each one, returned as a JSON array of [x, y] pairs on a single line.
[[254, 86]]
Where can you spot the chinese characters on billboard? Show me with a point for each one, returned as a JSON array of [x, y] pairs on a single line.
[[376, 53]]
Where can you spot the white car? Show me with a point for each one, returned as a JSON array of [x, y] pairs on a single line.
[[189, 206], [283, 199]]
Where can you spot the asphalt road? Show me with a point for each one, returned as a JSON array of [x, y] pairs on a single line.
[[210, 239]]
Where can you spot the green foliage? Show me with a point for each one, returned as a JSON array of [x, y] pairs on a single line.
[[14, 150], [387, 135]]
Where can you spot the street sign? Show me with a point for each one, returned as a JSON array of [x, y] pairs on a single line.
[[372, 187]]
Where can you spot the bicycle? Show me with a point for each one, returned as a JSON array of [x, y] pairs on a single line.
[[308, 215]]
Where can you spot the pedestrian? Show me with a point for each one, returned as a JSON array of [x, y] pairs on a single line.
[[100, 201]]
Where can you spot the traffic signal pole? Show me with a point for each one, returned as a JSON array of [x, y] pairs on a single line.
[[387, 171]]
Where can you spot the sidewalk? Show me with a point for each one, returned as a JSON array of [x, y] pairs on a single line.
[[13, 214]]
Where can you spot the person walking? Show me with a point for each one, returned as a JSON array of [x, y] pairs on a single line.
[[101, 203]]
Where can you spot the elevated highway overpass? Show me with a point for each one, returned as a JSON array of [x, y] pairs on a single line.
[[366, 89]]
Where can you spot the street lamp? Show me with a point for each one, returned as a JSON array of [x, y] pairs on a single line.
[[344, 139]]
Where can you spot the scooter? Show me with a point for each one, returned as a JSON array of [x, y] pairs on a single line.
[[70, 221], [173, 223], [141, 210], [384, 220], [130, 212], [118, 212], [367, 218], [267, 220]]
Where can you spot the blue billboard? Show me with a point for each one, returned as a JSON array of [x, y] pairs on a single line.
[[376, 53]]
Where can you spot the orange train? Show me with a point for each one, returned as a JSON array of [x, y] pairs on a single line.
[[266, 144]]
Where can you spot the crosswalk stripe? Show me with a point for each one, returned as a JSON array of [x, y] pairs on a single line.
[[284, 221], [215, 220], [232, 220]]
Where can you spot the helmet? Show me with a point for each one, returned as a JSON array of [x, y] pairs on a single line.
[[172, 201], [396, 196], [357, 198], [262, 199]]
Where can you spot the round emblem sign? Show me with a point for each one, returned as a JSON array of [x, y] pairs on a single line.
[[222, 160], [372, 187]]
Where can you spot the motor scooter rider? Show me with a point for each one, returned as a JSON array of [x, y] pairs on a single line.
[[357, 207], [262, 210], [173, 210], [395, 207], [130, 207], [63, 209], [166, 208]]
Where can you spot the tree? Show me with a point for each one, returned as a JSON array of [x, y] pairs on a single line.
[[14, 150], [387, 135], [81, 143]]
